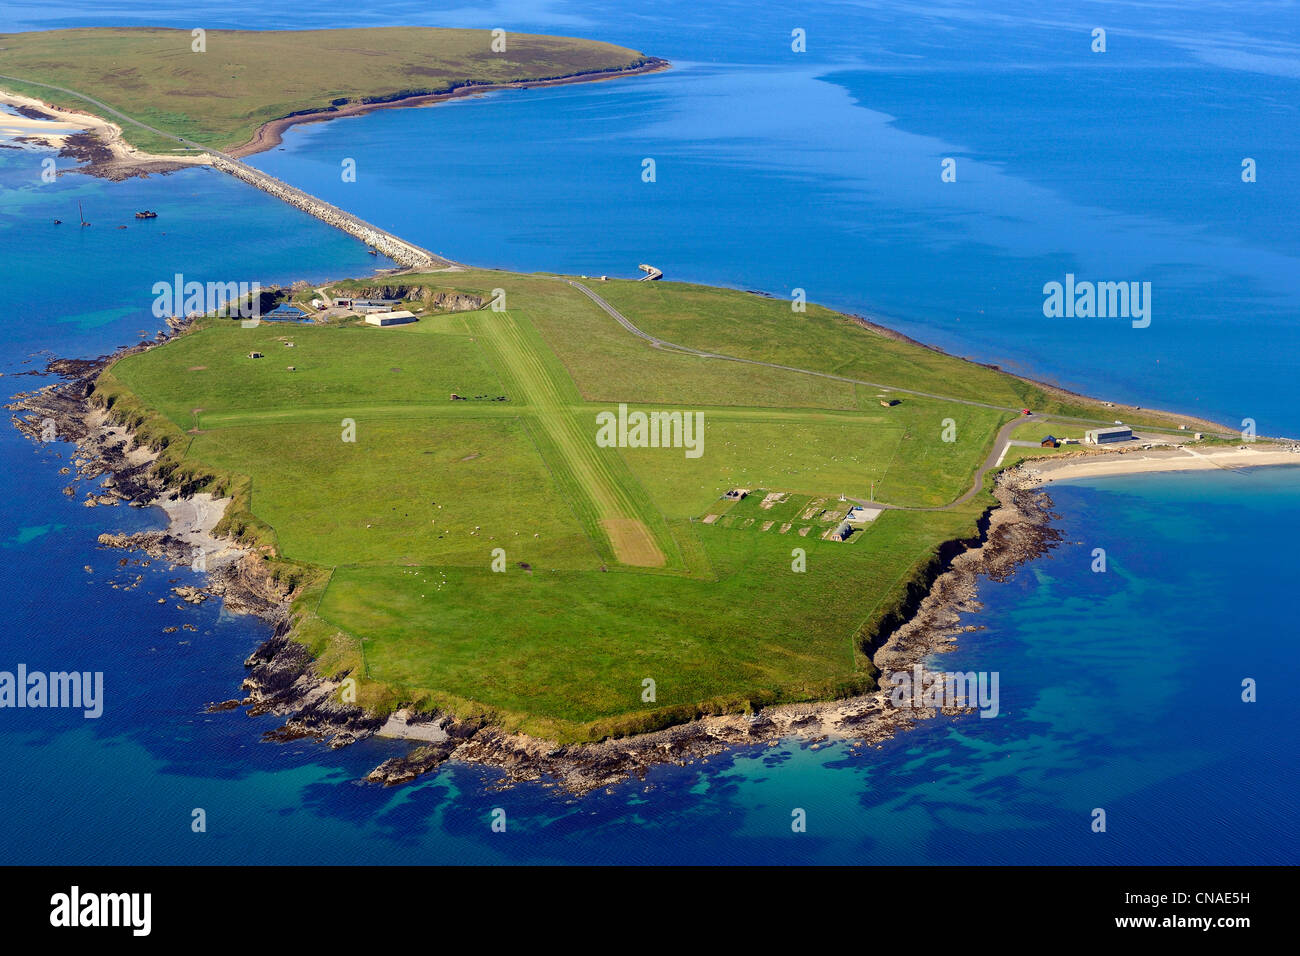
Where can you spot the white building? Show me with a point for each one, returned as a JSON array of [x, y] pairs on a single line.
[[401, 317], [1101, 436]]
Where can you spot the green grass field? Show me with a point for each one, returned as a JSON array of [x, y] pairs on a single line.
[[758, 327], [570, 649], [245, 78], [607, 572]]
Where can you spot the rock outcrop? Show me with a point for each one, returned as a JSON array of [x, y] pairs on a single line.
[[443, 300]]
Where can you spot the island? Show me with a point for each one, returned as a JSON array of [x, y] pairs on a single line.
[[564, 525], [237, 90], [467, 531]]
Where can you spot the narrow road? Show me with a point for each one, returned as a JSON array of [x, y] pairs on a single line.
[[1000, 442], [663, 344], [994, 457], [614, 313], [117, 113], [395, 247], [672, 346]]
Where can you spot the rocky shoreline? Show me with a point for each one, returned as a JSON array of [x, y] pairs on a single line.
[[97, 158], [282, 679], [95, 143], [105, 452], [1017, 530]]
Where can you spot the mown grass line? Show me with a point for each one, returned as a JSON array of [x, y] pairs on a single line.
[[574, 494], [208, 421], [560, 465], [606, 472], [559, 644], [606, 484]]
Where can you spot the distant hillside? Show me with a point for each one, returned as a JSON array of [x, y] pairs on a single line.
[[243, 79]]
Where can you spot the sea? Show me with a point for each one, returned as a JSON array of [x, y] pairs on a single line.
[[1156, 691]]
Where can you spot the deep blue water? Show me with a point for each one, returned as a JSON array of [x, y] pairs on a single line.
[[1119, 690]]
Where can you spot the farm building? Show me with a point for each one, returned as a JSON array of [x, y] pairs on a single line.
[[254, 354], [343, 303], [842, 532], [1051, 441], [889, 402], [401, 317], [367, 306], [1102, 436]]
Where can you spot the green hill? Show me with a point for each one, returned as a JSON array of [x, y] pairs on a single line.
[[243, 79]]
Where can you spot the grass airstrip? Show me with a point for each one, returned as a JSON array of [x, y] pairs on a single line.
[[614, 564], [436, 493]]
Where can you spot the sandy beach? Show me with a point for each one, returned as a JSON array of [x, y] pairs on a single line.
[[1164, 460], [100, 142], [86, 137], [52, 130]]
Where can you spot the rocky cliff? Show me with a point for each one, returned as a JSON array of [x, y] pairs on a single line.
[[444, 300]]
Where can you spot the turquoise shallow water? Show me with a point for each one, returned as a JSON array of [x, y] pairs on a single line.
[[1119, 690]]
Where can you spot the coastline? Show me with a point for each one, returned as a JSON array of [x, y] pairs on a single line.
[[96, 142], [282, 679], [106, 450], [104, 152], [1136, 461], [271, 134], [1193, 422]]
